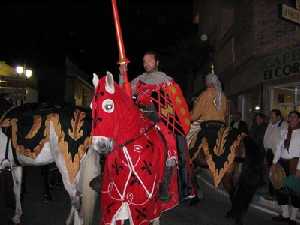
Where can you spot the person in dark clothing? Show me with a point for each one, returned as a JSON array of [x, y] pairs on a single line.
[[258, 128], [239, 124]]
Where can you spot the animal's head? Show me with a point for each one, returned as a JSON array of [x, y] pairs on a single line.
[[114, 114]]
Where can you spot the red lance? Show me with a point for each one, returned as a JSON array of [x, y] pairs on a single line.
[[122, 55]]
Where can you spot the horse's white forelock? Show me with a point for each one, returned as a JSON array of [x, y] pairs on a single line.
[[95, 80], [109, 83]]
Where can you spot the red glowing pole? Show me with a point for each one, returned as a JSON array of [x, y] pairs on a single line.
[[122, 54]]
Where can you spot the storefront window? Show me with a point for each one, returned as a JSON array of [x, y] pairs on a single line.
[[82, 94], [286, 98]]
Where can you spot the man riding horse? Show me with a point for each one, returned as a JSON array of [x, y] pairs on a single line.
[[218, 145], [211, 105], [161, 99], [207, 116]]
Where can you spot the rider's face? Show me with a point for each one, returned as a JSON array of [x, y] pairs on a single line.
[[150, 63]]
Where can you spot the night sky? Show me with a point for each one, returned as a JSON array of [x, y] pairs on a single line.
[[42, 33]]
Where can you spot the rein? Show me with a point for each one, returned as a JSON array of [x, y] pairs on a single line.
[[138, 136]]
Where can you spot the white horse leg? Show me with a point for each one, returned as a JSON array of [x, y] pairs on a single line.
[[155, 221], [89, 169], [77, 218], [71, 216], [73, 194], [17, 176], [71, 188], [74, 217]]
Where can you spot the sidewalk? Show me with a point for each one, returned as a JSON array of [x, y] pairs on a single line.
[[258, 201]]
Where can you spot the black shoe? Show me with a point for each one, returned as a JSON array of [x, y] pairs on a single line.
[[292, 222], [194, 201], [280, 218], [238, 221]]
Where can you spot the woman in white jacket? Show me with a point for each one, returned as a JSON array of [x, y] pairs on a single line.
[[287, 155]]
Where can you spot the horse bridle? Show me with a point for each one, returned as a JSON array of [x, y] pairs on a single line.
[[138, 136]]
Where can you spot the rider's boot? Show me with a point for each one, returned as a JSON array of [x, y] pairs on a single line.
[[164, 186]]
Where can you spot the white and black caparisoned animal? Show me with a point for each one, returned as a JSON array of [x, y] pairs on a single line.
[[249, 180], [40, 134]]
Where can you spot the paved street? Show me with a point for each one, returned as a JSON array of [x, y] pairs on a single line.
[[210, 211]]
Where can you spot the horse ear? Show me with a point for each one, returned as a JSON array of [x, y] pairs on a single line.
[[109, 83], [95, 80]]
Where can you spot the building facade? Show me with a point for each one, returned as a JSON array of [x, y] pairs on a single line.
[[78, 91], [16, 88], [256, 52], [54, 85]]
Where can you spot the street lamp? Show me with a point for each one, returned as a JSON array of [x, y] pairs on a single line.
[[22, 70], [28, 73], [257, 108]]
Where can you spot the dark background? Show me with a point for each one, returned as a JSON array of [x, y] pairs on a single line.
[[43, 33]]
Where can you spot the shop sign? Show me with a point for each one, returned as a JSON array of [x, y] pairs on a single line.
[[282, 64]]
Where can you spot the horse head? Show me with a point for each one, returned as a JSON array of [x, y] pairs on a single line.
[[115, 117]]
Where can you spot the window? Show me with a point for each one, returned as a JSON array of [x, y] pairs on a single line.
[[286, 98]]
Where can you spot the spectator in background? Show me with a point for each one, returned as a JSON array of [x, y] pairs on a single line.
[[271, 140], [258, 128], [239, 124], [287, 156]]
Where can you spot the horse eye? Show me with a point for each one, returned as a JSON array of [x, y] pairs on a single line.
[[108, 105]]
